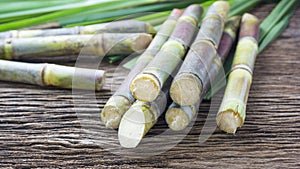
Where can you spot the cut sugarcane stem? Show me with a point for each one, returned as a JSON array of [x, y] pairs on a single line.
[[51, 75], [179, 117], [140, 118], [188, 84], [120, 102], [126, 26], [99, 45], [147, 85], [232, 112], [275, 31]]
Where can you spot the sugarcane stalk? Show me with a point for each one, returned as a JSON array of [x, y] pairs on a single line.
[[99, 45], [188, 83], [146, 86], [232, 112], [122, 99], [179, 117], [126, 26], [44, 74], [141, 117]]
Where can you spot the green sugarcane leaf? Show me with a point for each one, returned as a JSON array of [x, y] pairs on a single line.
[[276, 15], [124, 12], [51, 9], [13, 6], [243, 6], [114, 59], [56, 16], [273, 34]]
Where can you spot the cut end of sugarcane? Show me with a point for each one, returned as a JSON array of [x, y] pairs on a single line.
[[229, 121], [99, 79], [110, 117], [177, 119], [220, 7], [145, 87], [150, 28], [114, 110], [249, 26], [141, 42], [132, 128], [186, 89]]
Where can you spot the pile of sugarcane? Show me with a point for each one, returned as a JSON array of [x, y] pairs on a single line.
[[180, 59], [177, 77]]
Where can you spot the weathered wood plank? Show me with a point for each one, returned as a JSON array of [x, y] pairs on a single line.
[[40, 128]]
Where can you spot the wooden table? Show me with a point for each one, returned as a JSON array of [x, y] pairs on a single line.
[[39, 127]]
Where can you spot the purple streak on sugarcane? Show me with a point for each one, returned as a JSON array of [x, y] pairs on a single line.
[[188, 84], [126, 26], [120, 102], [146, 86], [178, 117], [232, 111], [99, 45], [51, 75]]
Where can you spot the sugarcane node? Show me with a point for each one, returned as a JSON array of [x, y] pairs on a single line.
[[241, 66], [42, 75], [147, 55], [182, 31], [211, 29], [8, 50], [77, 29], [246, 52], [2, 50], [231, 26], [145, 87], [192, 13], [229, 120]]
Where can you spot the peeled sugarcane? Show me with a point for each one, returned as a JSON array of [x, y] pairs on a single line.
[[178, 117], [51, 75], [188, 84], [122, 99], [146, 86], [99, 45], [140, 118], [232, 112], [126, 26]]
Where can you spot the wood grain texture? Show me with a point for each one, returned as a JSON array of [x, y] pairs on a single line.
[[40, 127]]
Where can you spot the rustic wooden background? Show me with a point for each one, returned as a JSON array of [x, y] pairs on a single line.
[[39, 127]]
